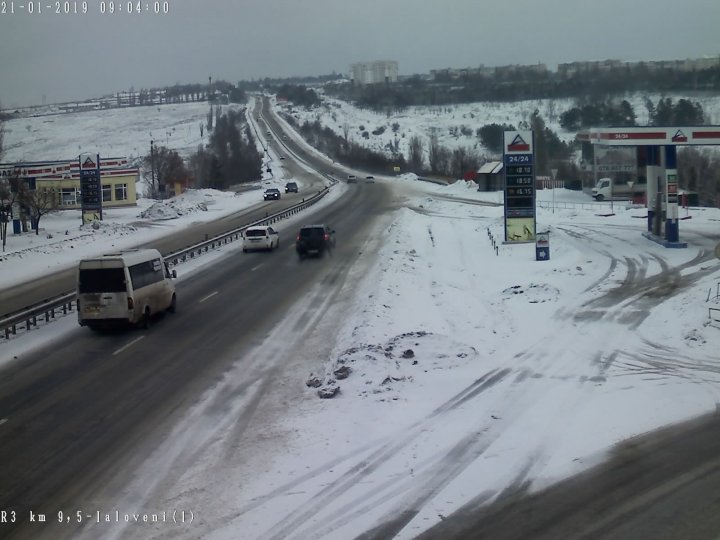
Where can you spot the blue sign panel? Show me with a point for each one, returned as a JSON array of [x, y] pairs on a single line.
[[90, 189], [519, 159]]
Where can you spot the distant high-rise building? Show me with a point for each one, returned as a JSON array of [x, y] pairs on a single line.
[[381, 71]]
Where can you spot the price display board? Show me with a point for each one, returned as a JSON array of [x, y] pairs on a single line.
[[90, 188], [519, 166]]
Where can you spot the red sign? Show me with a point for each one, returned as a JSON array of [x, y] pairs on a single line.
[[518, 144], [679, 136], [706, 134]]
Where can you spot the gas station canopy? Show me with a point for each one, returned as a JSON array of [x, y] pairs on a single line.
[[652, 136]]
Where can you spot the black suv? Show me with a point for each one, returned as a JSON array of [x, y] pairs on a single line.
[[272, 193], [291, 187], [314, 240]]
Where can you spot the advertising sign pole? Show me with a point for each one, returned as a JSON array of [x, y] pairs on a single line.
[[519, 167], [90, 189]]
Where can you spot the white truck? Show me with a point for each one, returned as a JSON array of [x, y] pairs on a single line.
[[607, 189]]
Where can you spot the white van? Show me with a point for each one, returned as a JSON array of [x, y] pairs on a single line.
[[124, 288]]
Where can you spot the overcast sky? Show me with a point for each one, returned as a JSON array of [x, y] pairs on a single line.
[[74, 56]]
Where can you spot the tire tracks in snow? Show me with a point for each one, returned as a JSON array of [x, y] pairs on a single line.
[[357, 472]]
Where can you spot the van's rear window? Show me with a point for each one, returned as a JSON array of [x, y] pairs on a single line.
[[101, 280]]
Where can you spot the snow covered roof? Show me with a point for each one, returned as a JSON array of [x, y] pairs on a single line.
[[491, 167]]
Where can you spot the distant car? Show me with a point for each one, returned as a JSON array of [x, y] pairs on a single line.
[[271, 194], [291, 187], [260, 237], [282, 157], [370, 179], [268, 132], [314, 240], [284, 137], [352, 179]]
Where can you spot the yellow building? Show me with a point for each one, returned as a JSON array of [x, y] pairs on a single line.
[[116, 177]]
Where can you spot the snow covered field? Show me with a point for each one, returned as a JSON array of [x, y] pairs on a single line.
[[469, 373], [456, 125], [111, 133]]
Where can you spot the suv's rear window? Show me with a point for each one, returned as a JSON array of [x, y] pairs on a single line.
[[312, 231]]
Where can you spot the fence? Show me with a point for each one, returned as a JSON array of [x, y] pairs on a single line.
[[545, 182]]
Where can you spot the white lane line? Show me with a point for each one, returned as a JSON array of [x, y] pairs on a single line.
[[3, 421], [207, 297], [256, 267], [133, 342]]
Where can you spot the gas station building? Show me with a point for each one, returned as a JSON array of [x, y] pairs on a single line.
[[117, 178]]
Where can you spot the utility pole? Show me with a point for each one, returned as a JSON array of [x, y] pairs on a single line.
[[152, 166]]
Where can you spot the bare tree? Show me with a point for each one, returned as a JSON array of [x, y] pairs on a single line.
[[438, 156], [39, 202], [169, 168], [463, 161], [210, 119], [8, 197], [415, 154]]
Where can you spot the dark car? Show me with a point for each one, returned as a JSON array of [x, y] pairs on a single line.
[[272, 193], [291, 187], [314, 240]]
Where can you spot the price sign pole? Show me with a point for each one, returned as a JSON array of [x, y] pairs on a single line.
[[90, 188], [519, 165]]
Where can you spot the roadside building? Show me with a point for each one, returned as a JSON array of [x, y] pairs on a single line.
[[490, 176], [117, 178]]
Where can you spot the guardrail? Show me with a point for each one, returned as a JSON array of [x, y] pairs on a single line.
[[64, 303]]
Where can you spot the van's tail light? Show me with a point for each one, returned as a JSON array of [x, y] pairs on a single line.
[[297, 239], [327, 237], [131, 303]]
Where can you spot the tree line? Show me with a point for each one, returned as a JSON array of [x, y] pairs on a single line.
[[526, 84], [608, 113], [230, 157]]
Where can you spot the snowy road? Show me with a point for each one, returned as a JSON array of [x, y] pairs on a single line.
[[521, 374], [474, 378]]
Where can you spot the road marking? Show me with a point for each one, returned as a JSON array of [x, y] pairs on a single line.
[[3, 421], [256, 267], [133, 342], [208, 297]]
